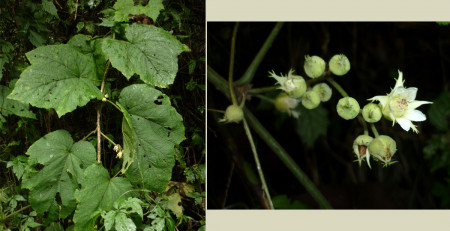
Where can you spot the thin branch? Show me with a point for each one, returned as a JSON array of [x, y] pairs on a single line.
[[230, 72]]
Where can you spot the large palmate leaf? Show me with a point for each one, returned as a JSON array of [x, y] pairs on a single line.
[[13, 107], [150, 52], [53, 188], [126, 7], [157, 128], [59, 77], [99, 193]]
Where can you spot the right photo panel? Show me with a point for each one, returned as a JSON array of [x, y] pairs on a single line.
[[322, 115]]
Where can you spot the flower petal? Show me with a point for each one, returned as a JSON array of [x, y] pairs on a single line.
[[404, 123], [415, 115], [410, 93], [415, 104], [381, 98], [399, 82]]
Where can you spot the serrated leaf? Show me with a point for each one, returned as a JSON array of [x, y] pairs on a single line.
[[157, 129], [60, 77], [92, 48], [312, 123], [130, 205], [99, 193], [18, 164], [439, 111], [174, 204], [13, 107], [109, 219], [150, 52], [126, 7], [52, 189], [129, 151]]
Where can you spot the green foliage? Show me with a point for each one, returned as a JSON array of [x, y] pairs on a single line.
[[12, 107], [60, 77], [52, 189], [155, 62], [119, 217], [283, 202], [312, 124], [157, 129], [126, 7], [99, 192]]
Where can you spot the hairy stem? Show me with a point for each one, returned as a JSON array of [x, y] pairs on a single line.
[[258, 165], [99, 113]]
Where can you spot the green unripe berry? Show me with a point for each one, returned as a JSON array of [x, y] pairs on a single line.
[[311, 99], [233, 114], [284, 103], [339, 64], [383, 148], [371, 113], [296, 86], [348, 108], [314, 66], [324, 91]]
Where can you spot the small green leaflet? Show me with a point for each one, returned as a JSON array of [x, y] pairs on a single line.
[[150, 52], [13, 107], [157, 129], [118, 218], [59, 77], [312, 123], [99, 193], [52, 189], [48, 6], [126, 7]]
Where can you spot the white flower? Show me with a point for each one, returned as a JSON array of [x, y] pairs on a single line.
[[293, 85], [400, 105], [286, 104]]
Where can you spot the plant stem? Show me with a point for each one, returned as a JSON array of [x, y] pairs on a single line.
[[364, 124], [374, 129], [262, 90], [15, 212], [108, 139], [230, 72], [338, 87], [258, 165], [265, 98], [217, 81], [251, 70], [286, 159], [109, 101], [88, 135], [99, 113]]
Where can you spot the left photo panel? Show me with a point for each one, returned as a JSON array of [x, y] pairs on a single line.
[[102, 115]]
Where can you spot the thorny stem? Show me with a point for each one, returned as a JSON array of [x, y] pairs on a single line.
[[374, 129], [230, 72], [258, 165], [338, 87]]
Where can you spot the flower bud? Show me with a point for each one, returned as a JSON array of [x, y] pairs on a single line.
[[360, 148], [311, 99], [284, 103], [233, 113], [383, 148], [314, 66], [323, 90], [339, 64], [371, 113], [348, 108]]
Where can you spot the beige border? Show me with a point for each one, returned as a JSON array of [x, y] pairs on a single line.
[[326, 10]]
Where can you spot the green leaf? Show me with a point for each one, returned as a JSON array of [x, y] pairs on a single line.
[[60, 77], [126, 7], [174, 204], [157, 129], [19, 164], [92, 48], [48, 6], [99, 193], [129, 151], [439, 111], [129, 206], [52, 189], [54, 227], [312, 123], [13, 107], [123, 223], [150, 52], [109, 219]]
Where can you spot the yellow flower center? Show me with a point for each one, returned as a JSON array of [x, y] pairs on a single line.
[[398, 106]]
